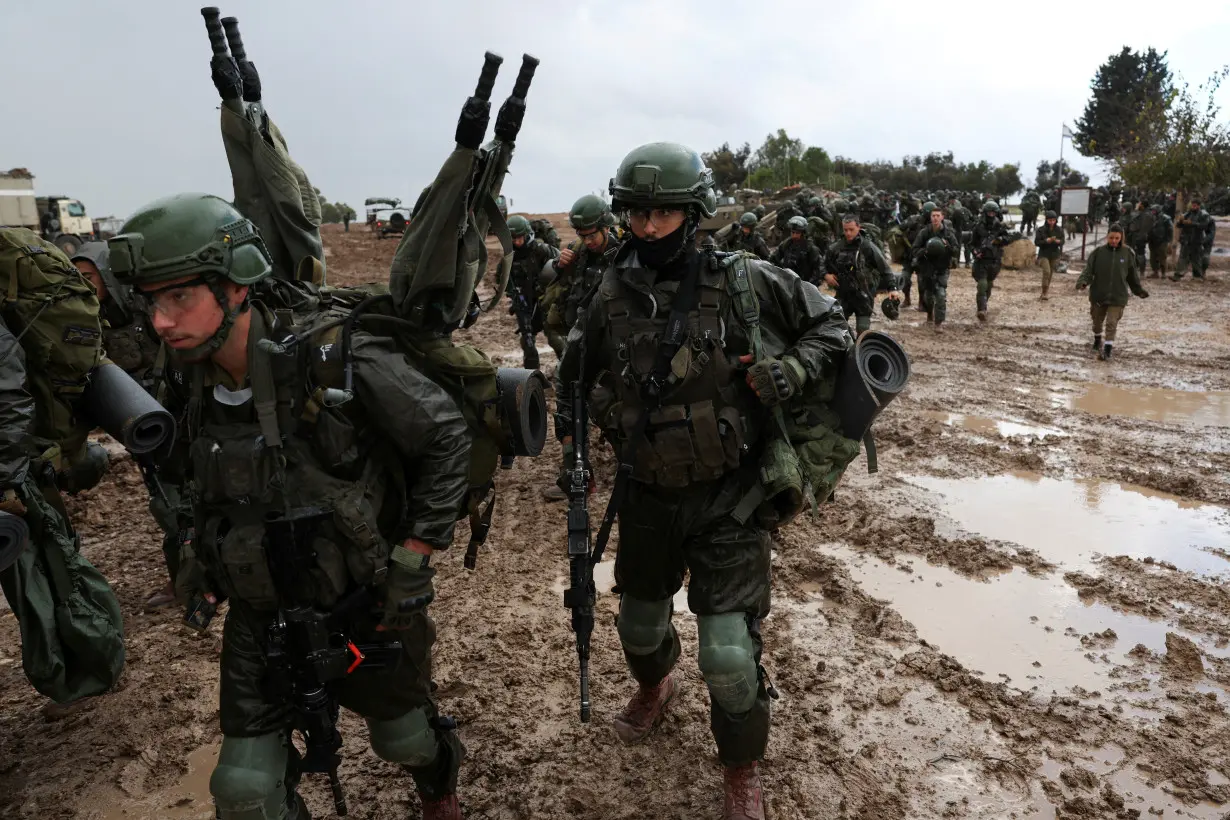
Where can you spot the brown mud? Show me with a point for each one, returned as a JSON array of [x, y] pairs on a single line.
[[1024, 614]]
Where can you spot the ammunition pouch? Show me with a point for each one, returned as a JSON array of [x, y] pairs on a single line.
[[685, 443]]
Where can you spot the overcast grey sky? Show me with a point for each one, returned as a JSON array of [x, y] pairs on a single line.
[[367, 93]]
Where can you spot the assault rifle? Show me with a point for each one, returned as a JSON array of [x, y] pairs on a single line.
[[581, 593], [308, 649], [524, 307], [234, 74]]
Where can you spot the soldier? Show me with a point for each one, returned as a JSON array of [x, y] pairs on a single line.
[[961, 219], [934, 252], [1196, 231], [1049, 240], [1138, 230], [1110, 274], [746, 238], [130, 341], [375, 483], [799, 253], [681, 511], [1030, 204], [530, 256], [544, 230], [989, 237], [579, 267], [1160, 236], [854, 266], [346, 215]]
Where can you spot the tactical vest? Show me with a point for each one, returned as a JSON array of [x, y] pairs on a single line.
[[699, 430], [796, 257], [587, 271], [128, 341], [277, 454], [851, 267]]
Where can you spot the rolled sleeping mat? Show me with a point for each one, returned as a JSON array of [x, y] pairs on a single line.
[[13, 537], [122, 408], [523, 408], [874, 372]]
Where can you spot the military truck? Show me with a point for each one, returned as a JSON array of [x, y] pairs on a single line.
[[728, 212], [385, 215], [57, 218]]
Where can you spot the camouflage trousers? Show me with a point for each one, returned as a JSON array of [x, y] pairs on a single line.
[[933, 293], [1195, 258], [1158, 253], [858, 304], [984, 274]]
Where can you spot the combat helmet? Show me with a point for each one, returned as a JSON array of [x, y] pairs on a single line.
[[840, 206], [518, 225], [748, 220], [814, 201], [936, 249], [797, 223], [990, 207], [197, 239], [759, 211], [928, 207], [590, 211], [1053, 215], [664, 175]]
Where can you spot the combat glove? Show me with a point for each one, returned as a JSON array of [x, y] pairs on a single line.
[[408, 589], [775, 380]]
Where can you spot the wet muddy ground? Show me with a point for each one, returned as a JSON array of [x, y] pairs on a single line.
[[1024, 614]]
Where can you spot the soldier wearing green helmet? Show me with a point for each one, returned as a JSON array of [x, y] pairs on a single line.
[[366, 482], [933, 253], [525, 294], [747, 238], [574, 275], [799, 254], [688, 403], [855, 267], [989, 238]]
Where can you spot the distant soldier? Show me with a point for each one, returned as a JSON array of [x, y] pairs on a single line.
[[545, 231], [1196, 231], [961, 219], [799, 254], [530, 256], [1031, 203], [577, 270], [346, 219], [1049, 239], [933, 251], [1110, 274], [1160, 237], [989, 237], [745, 237], [1139, 228], [854, 267]]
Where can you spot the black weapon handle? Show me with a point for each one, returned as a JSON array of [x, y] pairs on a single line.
[[217, 40], [231, 26], [525, 76], [486, 80]]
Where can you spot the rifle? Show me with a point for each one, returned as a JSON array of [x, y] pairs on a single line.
[[308, 648], [524, 306], [581, 593]]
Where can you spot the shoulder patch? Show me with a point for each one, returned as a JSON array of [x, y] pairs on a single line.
[[81, 336]]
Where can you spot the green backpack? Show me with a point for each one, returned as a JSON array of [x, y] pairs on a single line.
[[72, 631]]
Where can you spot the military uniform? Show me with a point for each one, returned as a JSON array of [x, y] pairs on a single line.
[[524, 293], [932, 263], [859, 267], [1048, 252], [1160, 237], [301, 509], [1138, 230], [750, 242], [1030, 205], [1196, 232], [961, 219], [684, 512], [989, 237], [801, 256], [1110, 274], [544, 230]]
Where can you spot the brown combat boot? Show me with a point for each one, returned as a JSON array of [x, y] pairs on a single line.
[[982, 316], [161, 598], [744, 795], [645, 710], [446, 808]]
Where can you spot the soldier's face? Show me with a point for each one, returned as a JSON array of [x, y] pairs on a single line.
[[937, 219], [1051, 222], [1113, 239], [797, 236], [849, 230], [518, 241], [655, 223], [746, 230], [594, 240], [185, 313], [90, 271]]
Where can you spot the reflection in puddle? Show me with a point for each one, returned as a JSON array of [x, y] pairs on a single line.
[[188, 799], [1154, 404], [1016, 624], [1070, 522], [995, 427]]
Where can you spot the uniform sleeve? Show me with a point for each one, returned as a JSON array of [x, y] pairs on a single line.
[[1133, 275], [16, 411], [776, 256], [1086, 276], [762, 247], [425, 425], [800, 322], [830, 259], [877, 267], [584, 340]]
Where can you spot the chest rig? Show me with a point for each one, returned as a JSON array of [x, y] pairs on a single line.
[[695, 414], [278, 463]]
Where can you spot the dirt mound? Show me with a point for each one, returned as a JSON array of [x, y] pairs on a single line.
[[1019, 254], [1182, 657]]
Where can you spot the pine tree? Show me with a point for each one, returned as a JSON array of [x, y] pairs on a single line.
[[1122, 87]]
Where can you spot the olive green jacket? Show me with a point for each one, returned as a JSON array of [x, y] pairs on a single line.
[[1110, 274]]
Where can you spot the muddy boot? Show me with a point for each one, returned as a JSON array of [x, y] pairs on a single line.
[[1045, 297], [1097, 343], [905, 303], [446, 808], [645, 710], [1104, 354], [939, 327], [162, 598], [982, 315], [744, 795]]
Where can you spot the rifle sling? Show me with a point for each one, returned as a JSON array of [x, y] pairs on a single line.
[[659, 376]]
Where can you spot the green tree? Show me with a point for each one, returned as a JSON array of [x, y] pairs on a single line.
[[729, 166], [1123, 86], [1007, 180], [329, 213], [816, 164], [781, 153], [1049, 176], [345, 211]]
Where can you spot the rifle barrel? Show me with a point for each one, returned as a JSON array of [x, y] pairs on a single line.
[[486, 79], [522, 86], [217, 40], [230, 26]]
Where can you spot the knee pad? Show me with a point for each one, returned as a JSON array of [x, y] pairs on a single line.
[[728, 661], [249, 782], [642, 624], [409, 740]]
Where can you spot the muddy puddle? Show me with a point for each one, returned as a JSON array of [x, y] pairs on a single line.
[[1109, 764], [1015, 627], [1071, 522], [1204, 408], [1003, 428], [188, 799]]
